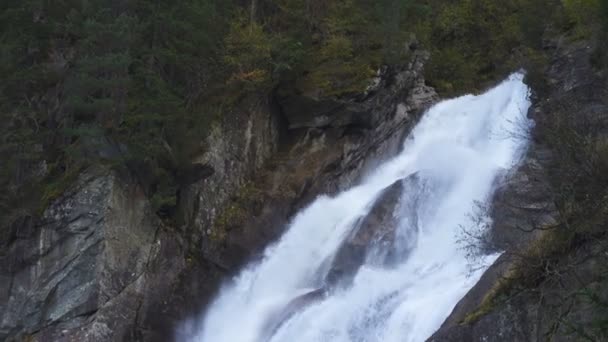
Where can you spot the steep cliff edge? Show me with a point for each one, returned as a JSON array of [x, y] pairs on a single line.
[[550, 284], [99, 264]]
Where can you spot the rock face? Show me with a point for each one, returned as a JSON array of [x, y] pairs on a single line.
[[238, 147], [98, 265], [378, 227], [530, 315], [555, 308], [316, 160], [86, 257], [288, 310], [524, 200], [380, 238]]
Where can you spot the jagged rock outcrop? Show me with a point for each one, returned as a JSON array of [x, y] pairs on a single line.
[[307, 111], [380, 238], [289, 309], [558, 307], [531, 315], [99, 265], [73, 274], [376, 228], [318, 160]]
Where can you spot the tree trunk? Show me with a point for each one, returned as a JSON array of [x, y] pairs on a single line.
[[253, 10]]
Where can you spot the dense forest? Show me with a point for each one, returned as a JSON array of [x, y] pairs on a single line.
[[135, 84]]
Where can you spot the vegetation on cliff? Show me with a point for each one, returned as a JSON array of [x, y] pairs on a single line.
[[135, 84]]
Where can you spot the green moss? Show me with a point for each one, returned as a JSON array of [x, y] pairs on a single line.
[[236, 211], [248, 52], [492, 298], [525, 272], [485, 307], [581, 16], [54, 185]]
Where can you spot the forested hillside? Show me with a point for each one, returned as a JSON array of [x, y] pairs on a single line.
[[135, 84]]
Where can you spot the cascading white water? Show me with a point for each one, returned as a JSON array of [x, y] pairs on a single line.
[[459, 147]]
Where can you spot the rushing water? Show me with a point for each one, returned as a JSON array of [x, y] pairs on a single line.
[[458, 149]]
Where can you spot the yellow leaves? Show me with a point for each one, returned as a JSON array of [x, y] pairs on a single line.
[[254, 76]]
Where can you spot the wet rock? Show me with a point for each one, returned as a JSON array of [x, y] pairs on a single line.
[[549, 309], [550, 312], [380, 224], [376, 228], [385, 235], [285, 312], [523, 202]]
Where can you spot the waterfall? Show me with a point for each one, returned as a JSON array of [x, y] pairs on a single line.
[[455, 152]]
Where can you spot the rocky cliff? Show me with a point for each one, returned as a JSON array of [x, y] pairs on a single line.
[[99, 265], [549, 285]]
